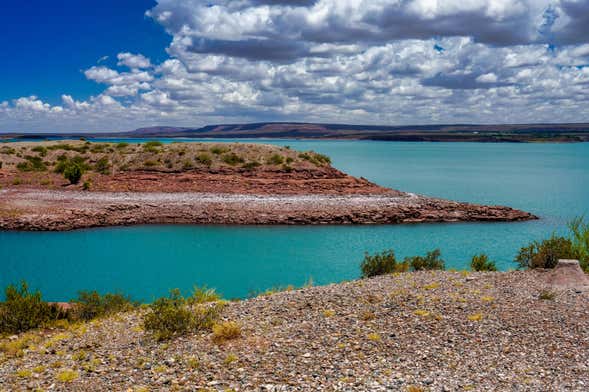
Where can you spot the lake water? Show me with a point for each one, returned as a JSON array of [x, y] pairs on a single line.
[[550, 180]]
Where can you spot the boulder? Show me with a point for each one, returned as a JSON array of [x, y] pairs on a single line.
[[568, 275]]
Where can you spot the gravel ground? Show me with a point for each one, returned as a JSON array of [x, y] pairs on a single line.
[[429, 331]]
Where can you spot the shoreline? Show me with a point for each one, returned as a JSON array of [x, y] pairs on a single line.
[[50, 210], [433, 330]]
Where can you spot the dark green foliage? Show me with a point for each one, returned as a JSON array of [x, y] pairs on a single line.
[[482, 263], [431, 261], [381, 264], [174, 315], [102, 166], [276, 159], [33, 163], [86, 185], [91, 304], [232, 159], [72, 172], [204, 159], [546, 253], [122, 145], [24, 310], [63, 162]]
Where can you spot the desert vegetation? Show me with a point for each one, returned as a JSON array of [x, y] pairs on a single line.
[[546, 253], [79, 161]]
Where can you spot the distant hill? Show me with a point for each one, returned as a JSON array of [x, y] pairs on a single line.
[[574, 132]]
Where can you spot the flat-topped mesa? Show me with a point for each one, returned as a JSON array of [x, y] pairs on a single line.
[[201, 183]]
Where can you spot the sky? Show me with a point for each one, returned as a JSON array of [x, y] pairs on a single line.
[[119, 65]]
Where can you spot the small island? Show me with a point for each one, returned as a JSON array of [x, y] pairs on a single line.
[[66, 185]]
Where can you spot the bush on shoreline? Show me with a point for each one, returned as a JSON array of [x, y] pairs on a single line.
[[381, 264], [482, 263], [24, 310], [545, 253], [431, 261], [90, 305], [175, 315]]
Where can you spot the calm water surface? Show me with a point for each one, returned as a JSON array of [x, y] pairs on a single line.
[[550, 180]]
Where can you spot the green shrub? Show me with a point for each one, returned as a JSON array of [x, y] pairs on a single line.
[[579, 235], [546, 253], [91, 304], [431, 261], [219, 150], [204, 159], [63, 162], [40, 149], [152, 146], [251, 165], [168, 316], [174, 315], [102, 166], [202, 295], [32, 164], [276, 159], [381, 264], [72, 172], [24, 310], [232, 159], [321, 158], [122, 145], [482, 263]]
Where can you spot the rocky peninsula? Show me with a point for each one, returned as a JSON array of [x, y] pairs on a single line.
[[65, 185]]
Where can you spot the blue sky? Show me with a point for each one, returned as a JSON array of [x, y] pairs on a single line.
[[195, 62], [47, 45]]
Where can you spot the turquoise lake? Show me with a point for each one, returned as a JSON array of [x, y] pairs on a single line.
[[549, 180]]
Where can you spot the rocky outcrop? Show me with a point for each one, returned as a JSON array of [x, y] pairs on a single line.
[[36, 210]]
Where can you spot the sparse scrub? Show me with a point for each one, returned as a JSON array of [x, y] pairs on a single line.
[[152, 146], [219, 150], [232, 159], [42, 151], [171, 316], [67, 376], [481, 262], [276, 159], [227, 330], [202, 295], [547, 295], [431, 261], [32, 163], [204, 159], [102, 166], [251, 165]]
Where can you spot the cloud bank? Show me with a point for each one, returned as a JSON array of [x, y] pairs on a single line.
[[353, 61]]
